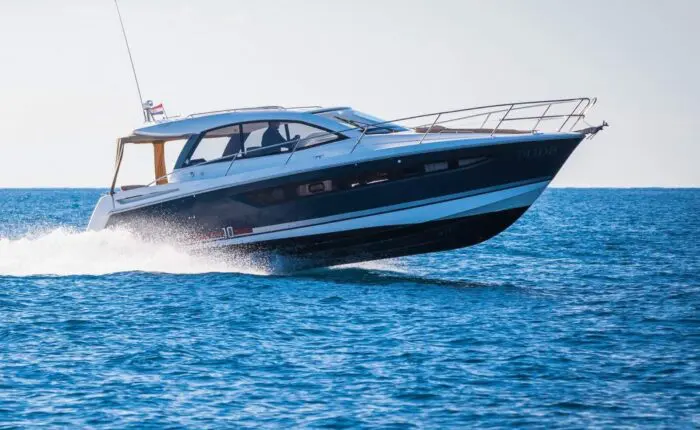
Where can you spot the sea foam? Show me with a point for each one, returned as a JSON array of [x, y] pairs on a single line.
[[65, 252]]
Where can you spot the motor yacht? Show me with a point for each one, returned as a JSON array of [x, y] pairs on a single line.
[[318, 186]]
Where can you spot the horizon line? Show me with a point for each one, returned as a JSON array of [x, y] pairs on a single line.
[[590, 187]]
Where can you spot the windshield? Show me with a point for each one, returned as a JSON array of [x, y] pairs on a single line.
[[354, 118]]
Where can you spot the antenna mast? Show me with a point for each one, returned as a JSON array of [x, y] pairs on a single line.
[[131, 59]]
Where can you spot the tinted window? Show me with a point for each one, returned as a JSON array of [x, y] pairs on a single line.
[[253, 134], [274, 137], [255, 139], [354, 118], [216, 144], [309, 135]]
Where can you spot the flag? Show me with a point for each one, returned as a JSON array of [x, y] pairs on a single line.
[[157, 109]]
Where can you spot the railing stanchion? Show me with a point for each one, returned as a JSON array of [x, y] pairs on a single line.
[[502, 119], [429, 128], [293, 150], [231, 164], [364, 131], [486, 120], [541, 116], [583, 113], [569, 116]]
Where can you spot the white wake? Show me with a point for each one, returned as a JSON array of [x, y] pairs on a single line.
[[66, 252]]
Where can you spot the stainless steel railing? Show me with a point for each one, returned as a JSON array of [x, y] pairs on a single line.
[[582, 105]]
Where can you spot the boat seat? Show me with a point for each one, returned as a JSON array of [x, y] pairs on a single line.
[[234, 145]]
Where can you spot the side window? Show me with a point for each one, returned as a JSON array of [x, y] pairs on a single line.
[[309, 135], [217, 144], [266, 138], [253, 134], [274, 137]]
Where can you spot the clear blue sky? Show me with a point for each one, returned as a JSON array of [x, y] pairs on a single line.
[[66, 90]]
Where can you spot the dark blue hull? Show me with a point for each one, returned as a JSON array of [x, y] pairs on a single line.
[[221, 216]]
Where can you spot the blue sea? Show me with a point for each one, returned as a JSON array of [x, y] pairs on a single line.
[[585, 313]]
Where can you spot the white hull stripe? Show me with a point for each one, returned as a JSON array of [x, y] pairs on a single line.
[[456, 205], [517, 201], [146, 196]]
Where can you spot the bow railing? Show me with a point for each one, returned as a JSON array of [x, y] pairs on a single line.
[[476, 120]]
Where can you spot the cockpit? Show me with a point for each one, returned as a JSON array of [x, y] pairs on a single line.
[[217, 138], [252, 139]]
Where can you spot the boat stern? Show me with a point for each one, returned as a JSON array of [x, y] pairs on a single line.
[[100, 215]]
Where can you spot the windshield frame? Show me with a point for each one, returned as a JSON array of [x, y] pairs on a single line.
[[361, 120]]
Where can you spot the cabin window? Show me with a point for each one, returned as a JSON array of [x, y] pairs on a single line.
[[464, 162], [274, 137], [315, 188], [376, 177], [253, 135], [253, 139], [217, 144], [436, 167], [309, 136], [266, 197]]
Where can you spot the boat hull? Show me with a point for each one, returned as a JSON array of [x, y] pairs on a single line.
[[373, 243], [380, 208]]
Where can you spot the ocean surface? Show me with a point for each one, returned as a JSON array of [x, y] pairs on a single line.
[[585, 313]]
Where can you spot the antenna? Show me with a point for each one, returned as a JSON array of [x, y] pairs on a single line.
[[131, 59]]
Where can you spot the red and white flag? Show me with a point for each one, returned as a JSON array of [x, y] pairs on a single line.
[[157, 109]]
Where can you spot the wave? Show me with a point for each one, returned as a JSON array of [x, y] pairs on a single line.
[[66, 252]]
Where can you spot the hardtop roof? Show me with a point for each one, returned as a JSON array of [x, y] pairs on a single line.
[[184, 127]]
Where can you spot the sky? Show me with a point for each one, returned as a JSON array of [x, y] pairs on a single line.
[[67, 93]]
